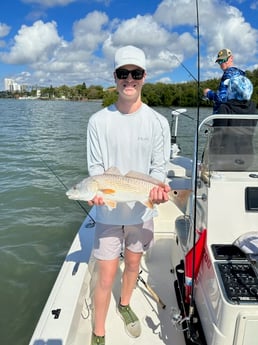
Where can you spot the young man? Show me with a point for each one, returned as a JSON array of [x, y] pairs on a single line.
[[130, 136], [226, 62]]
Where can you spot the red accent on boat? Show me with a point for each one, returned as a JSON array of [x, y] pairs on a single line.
[[199, 249]]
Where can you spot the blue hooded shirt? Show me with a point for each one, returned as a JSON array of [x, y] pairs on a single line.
[[240, 88], [221, 95]]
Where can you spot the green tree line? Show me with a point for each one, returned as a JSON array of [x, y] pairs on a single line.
[[187, 94]]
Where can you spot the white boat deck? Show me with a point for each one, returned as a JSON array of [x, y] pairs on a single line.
[[224, 209], [156, 322], [157, 327], [72, 294]]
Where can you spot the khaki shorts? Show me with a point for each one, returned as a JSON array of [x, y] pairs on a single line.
[[110, 240]]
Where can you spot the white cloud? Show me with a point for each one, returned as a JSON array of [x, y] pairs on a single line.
[[49, 3], [254, 5], [168, 35], [221, 26], [67, 62], [159, 44], [4, 29], [174, 13], [88, 32], [54, 3], [142, 31], [34, 43], [230, 30]]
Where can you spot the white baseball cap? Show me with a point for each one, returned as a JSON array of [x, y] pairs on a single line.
[[130, 55]]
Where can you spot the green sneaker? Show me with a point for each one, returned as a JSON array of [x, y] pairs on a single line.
[[132, 323], [97, 340]]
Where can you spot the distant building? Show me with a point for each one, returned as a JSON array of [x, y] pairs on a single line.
[[11, 85]]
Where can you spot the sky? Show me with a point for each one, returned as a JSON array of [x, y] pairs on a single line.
[[70, 42]]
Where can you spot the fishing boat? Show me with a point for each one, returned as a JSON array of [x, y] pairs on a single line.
[[198, 284]]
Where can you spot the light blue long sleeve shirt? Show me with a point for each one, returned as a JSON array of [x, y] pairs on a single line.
[[138, 141]]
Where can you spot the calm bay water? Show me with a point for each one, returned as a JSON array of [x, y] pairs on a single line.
[[38, 140]]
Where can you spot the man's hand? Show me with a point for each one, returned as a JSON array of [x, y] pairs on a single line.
[[97, 200], [205, 91], [159, 195]]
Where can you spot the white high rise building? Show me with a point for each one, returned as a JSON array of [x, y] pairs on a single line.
[[11, 85]]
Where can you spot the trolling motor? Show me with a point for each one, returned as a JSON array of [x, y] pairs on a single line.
[[175, 149]]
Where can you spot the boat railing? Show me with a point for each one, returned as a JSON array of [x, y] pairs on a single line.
[[231, 142]]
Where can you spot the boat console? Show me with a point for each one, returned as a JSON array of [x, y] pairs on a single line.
[[227, 286], [225, 207]]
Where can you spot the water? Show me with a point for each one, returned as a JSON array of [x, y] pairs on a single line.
[[40, 141]]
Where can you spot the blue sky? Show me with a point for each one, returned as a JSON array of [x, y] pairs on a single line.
[[57, 42]]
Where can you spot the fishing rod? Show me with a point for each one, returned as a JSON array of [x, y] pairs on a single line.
[[187, 315], [193, 335], [65, 187], [151, 291], [181, 63], [148, 287], [204, 98]]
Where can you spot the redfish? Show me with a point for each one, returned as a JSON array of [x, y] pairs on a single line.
[[115, 187]]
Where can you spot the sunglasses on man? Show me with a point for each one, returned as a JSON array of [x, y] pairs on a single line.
[[220, 62], [137, 74]]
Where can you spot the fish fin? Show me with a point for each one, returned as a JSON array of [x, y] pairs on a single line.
[[111, 204], [113, 171], [144, 177], [180, 198], [148, 204], [107, 191]]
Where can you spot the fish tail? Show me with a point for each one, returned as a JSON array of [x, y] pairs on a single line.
[[180, 198]]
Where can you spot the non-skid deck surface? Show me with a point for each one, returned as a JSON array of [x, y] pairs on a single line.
[[156, 322]]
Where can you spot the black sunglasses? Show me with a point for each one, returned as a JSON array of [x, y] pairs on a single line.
[[136, 74], [222, 61]]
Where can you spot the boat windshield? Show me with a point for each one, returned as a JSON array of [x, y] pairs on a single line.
[[232, 143]]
